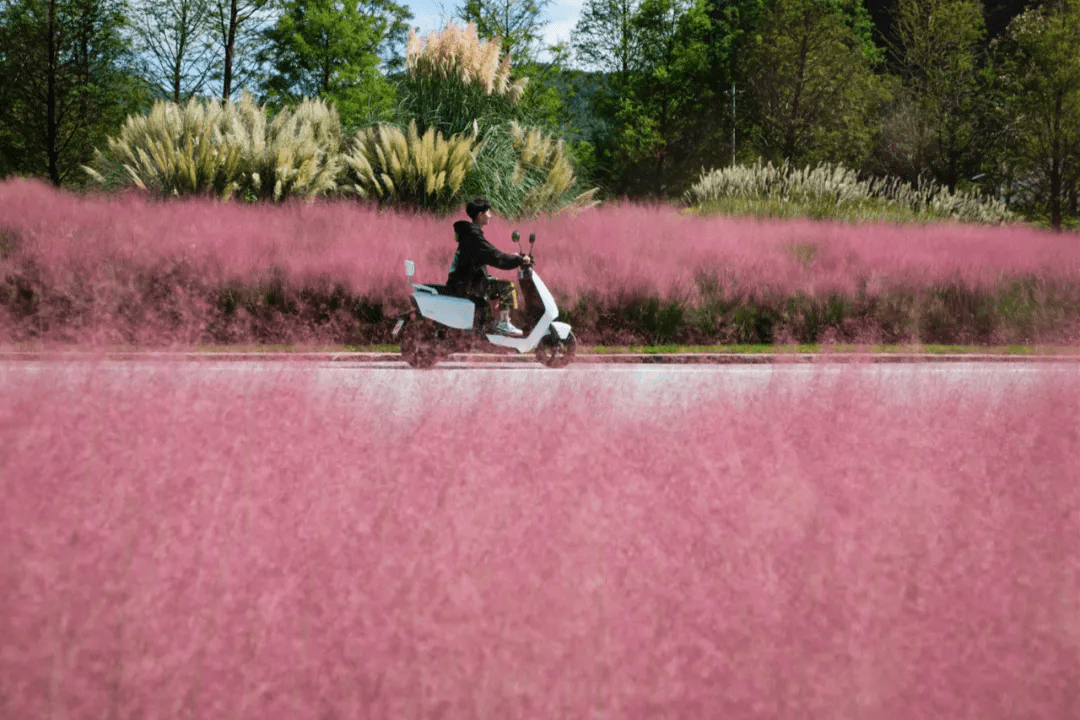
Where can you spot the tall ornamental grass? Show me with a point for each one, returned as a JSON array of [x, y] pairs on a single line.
[[457, 94], [225, 149], [454, 79], [458, 84], [834, 191], [180, 541], [124, 269], [420, 171], [525, 172], [178, 150], [299, 156]]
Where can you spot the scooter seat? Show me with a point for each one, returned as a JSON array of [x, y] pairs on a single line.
[[448, 291], [442, 290]]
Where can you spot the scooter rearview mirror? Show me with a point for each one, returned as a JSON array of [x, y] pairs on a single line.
[[515, 236], [410, 268], [532, 238]]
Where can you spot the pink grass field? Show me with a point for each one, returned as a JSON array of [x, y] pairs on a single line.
[[203, 548], [154, 269]]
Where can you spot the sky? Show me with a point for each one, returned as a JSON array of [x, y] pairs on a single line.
[[560, 15]]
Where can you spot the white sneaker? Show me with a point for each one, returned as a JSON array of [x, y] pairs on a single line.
[[505, 327]]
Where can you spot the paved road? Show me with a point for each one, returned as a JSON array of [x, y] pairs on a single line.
[[398, 388]]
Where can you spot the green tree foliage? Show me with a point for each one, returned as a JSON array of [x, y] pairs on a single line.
[[673, 89], [68, 78], [937, 124], [734, 22], [551, 89], [236, 25], [1042, 70], [657, 58], [321, 48], [812, 87], [175, 39], [606, 40], [516, 23]]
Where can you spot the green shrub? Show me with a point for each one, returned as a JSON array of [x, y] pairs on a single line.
[[423, 171], [834, 191]]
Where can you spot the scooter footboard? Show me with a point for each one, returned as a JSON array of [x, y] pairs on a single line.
[[451, 311]]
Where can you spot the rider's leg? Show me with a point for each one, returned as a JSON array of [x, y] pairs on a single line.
[[502, 292]]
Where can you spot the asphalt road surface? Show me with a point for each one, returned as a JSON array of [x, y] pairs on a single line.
[[401, 390]]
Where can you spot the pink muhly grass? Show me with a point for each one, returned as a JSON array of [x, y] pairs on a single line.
[[661, 251], [186, 545], [347, 242], [613, 250], [161, 266]]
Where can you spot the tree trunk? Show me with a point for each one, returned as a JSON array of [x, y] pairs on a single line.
[[52, 125], [178, 60], [230, 41], [1056, 169], [1055, 197], [791, 141]]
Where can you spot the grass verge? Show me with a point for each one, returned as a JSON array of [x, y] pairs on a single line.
[[838, 348]]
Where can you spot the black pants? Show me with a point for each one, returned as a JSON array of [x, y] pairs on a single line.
[[502, 291]]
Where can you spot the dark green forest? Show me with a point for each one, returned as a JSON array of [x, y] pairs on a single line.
[[646, 95]]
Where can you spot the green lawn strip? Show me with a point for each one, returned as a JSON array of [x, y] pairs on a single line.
[[296, 349], [838, 348], [200, 349], [694, 349]]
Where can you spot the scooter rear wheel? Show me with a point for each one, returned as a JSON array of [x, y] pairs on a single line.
[[555, 352], [420, 344]]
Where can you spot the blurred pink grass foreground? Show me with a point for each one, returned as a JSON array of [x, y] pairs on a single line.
[[209, 549], [106, 251]]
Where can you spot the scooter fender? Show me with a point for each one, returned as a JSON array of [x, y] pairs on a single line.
[[450, 311], [562, 329], [542, 327]]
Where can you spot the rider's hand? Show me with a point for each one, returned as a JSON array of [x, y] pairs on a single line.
[[526, 261]]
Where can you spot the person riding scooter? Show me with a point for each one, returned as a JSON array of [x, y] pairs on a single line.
[[468, 274]]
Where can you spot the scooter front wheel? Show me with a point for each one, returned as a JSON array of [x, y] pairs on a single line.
[[420, 344], [554, 352]]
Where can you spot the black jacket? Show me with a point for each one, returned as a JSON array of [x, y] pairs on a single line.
[[474, 254]]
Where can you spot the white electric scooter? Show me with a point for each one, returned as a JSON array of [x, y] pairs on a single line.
[[441, 323]]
